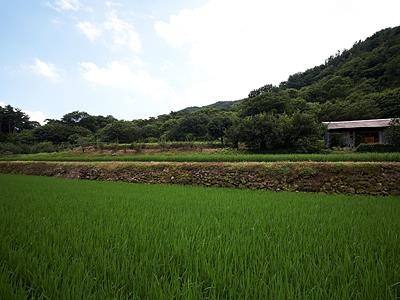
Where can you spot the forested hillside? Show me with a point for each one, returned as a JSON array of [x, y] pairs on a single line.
[[360, 83]]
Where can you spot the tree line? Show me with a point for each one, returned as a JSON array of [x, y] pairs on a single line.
[[259, 132], [360, 83]]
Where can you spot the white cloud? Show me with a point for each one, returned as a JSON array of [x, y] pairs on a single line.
[[113, 4], [167, 65], [123, 33], [123, 76], [68, 5], [2, 103], [235, 46], [91, 31], [57, 22], [37, 116], [46, 70]]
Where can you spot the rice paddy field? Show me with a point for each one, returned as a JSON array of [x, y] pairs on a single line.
[[70, 239], [218, 156]]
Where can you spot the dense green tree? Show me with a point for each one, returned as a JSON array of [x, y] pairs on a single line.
[[26, 137], [13, 120], [305, 132], [192, 126], [232, 135], [82, 141], [217, 126], [120, 132], [268, 88], [393, 133], [83, 119], [75, 117], [297, 132], [265, 103], [151, 131], [58, 132]]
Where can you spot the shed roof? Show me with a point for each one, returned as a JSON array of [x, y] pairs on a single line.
[[374, 123]]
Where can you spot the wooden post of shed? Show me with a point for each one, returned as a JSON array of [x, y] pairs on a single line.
[[327, 139], [381, 138]]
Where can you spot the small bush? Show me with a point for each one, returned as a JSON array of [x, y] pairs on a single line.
[[151, 140], [392, 133], [10, 148], [376, 148], [44, 147]]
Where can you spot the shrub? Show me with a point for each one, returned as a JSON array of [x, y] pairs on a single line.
[[44, 147], [10, 148], [376, 148], [392, 134]]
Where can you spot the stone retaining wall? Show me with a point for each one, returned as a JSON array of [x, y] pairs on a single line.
[[346, 177]]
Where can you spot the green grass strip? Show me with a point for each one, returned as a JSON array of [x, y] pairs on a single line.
[[206, 157]]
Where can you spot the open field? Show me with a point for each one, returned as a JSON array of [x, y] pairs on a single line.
[[100, 240], [204, 157]]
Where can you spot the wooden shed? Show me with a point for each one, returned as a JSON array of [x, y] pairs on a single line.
[[353, 133]]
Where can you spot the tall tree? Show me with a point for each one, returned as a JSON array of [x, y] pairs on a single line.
[[13, 120]]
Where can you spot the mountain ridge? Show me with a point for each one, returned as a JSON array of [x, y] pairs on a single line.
[[351, 78]]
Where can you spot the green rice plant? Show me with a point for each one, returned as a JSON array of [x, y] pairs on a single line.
[[205, 157], [70, 239]]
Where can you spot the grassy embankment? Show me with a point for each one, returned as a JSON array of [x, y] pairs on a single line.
[[101, 240], [204, 157]]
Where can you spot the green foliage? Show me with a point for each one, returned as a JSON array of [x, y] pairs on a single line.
[[300, 132], [44, 147], [266, 103], [218, 125], [268, 88], [75, 117], [83, 119], [151, 132], [70, 239], [188, 128], [392, 134], [359, 83], [26, 137], [232, 135], [120, 132], [13, 120], [10, 148], [377, 148], [261, 132], [376, 58], [58, 132]]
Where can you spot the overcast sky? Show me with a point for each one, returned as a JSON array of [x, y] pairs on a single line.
[[136, 59]]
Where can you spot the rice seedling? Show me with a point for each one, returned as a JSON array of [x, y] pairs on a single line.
[[205, 157], [70, 239]]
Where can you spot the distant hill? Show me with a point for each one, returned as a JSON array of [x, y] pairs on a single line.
[[220, 105], [360, 83], [375, 60]]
